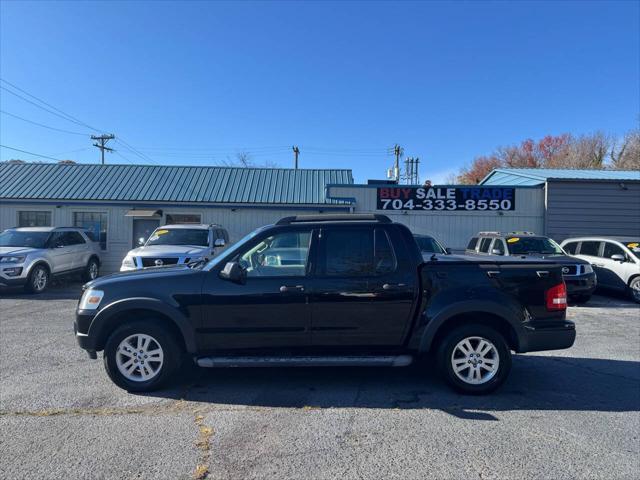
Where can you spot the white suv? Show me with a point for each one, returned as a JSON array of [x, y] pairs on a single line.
[[30, 256], [177, 244], [616, 260]]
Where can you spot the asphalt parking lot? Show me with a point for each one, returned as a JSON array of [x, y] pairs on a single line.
[[562, 414]]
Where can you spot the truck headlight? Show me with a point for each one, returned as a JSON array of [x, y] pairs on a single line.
[[128, 262], [91, 299], [13, 259], [588, 268]]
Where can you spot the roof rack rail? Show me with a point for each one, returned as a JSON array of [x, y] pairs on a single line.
[[347, 217]]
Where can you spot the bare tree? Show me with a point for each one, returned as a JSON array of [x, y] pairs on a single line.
[[243, 160], [625, 155]]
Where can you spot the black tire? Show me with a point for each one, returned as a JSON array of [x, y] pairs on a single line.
[[581, 298], [38, 279], [172, 355], [445, 360], [91, 271], [634, 289]]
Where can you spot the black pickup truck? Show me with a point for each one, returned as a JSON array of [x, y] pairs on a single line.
[[326, 291]]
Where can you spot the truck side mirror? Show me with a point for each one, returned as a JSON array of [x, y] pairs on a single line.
[[618, 258], [495, 251], [448, 251], [219, 242], [234, 272]]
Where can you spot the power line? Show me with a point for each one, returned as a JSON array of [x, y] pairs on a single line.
[[30, 153], [134, 151], [71, 118], [42, 125]]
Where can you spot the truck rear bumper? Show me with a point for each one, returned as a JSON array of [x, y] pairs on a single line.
[[547, 336]]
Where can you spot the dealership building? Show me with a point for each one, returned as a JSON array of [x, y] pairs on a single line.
[[120, 202]]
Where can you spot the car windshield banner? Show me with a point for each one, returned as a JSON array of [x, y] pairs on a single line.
[[446, 198]]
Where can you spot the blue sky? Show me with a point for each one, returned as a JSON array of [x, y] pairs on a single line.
[[194, 82]]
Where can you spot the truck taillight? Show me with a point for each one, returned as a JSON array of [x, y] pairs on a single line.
[[557, 297]]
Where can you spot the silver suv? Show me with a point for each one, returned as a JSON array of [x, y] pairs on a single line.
[[177, 244], [616, 260], [31, 256]]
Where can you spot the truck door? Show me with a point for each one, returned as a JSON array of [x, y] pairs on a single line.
[[363, 291]]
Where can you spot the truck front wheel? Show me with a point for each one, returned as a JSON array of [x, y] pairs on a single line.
[[474, 359], [141, 356]]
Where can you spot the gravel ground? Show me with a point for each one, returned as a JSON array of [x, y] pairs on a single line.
[[562, 414]]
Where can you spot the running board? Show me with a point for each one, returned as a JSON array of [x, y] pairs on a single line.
[[309, 361]]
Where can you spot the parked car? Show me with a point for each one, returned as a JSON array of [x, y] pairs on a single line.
[[350, 290], [177, 244], [428, 245], [616, 261], [577, 273], [31, 256]]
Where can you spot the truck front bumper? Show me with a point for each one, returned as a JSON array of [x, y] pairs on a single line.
[[547, 335], [81, 331]]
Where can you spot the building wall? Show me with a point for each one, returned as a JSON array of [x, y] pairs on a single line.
[[238, 220], [592, 208], [455, 228]]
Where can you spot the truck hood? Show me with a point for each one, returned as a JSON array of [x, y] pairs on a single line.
[[148, 275], [17, 250], [167, 251]]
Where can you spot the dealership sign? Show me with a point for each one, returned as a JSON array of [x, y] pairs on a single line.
[[446, 198]]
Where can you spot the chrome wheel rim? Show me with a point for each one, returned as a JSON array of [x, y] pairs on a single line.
[[635, 290], [39, 279], [475, 360], [93, 270], [139, 357]]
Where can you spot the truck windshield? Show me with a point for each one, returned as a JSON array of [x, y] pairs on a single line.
[[23, 239], [179, 236], [429, 245], [526, 245]]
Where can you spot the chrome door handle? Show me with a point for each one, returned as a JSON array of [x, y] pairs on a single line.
[[493, 273], [542, 273], [291, 288], [390, 286]]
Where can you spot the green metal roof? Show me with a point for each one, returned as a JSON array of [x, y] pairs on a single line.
[[168, 183], [538, 176]]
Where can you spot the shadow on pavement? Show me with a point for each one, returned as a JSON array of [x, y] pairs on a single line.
[[535, 383], [59, 290]]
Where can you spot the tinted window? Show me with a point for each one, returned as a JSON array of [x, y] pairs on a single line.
[[74, 238], [34, 219], [590, 248], [472, 243], [499, 246], [58, 239], [383, 251], [570, 247], [484, 245], [429, 245], [611, 249], [348, 252], [525, 245], [280, 255]]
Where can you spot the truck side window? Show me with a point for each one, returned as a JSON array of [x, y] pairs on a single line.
[[383, 251], [590, 248], [485, 243], [472, 243], [280, 255], [348, 252]]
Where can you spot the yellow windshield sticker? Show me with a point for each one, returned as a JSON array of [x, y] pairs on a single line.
[[513, 240], [633, 245], [161, 232]]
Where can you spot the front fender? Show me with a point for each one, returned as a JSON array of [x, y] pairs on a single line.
[[504, 308], [108, 318]]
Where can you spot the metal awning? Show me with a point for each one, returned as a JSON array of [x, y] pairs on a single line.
[[144, 213]]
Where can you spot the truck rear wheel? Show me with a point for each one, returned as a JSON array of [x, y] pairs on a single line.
[[474, 359], [141, 356]]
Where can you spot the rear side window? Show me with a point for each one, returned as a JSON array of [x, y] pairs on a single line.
[[590, 248], [74, 238], [570, 247], [472, 243], [484, 245], [498, 246], [385, 259], [348, 252]]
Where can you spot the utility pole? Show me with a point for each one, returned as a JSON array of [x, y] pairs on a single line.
[[296, 152], [397, 151], [103, 139]]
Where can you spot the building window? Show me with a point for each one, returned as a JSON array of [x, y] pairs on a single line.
[[95, 222], [34, 219], [173, 218]]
